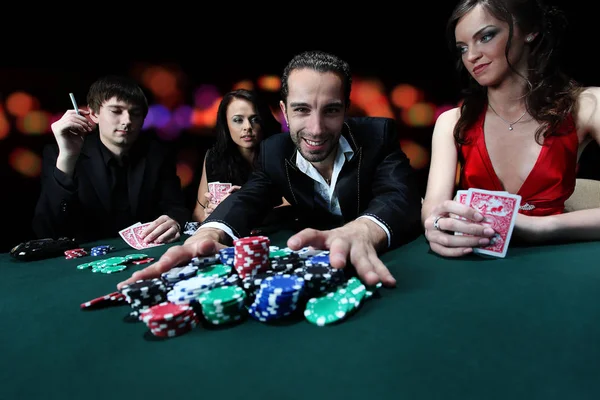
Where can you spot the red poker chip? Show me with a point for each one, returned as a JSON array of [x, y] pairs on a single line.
[[106, 300], [164, 311], [75, 253], [252, 240], [143, 261], [161, 326], [174, 332]]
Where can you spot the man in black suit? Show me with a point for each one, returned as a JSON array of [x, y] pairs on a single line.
[[97, 182], [347, 179]]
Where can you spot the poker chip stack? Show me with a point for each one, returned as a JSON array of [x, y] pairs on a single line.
[[251, 255], [232, 280], [188, 290], [143, 294], [319, 278], [223, 305], [101, 250], [227, 256], [179, 273], [169, 320], [251, 284], [277, 297], [75, 253], [287, 262]]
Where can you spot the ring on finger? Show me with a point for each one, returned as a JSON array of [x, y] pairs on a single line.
[[436, 222]]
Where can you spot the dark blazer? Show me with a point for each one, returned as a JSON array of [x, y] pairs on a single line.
[[83, 213], [378, 182]]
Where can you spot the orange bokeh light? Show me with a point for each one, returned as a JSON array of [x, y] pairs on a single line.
[[405, 96], [20, 103], [4, 124], [25, 162], [245, 84], [269, 83], [417, 154], [185, 173]]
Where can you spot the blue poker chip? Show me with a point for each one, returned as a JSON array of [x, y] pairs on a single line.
[[284, 283], [320, 258]]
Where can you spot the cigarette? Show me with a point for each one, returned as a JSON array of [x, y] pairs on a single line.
[[74, 103]]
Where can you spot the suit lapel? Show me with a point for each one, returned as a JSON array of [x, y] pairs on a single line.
[[347, 187], [93, 164]]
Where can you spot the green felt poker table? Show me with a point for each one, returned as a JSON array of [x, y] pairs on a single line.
[[523, 327]]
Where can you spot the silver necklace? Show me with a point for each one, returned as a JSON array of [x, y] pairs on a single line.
[[510, 124]]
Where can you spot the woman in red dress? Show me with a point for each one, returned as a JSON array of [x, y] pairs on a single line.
[[518, 128]]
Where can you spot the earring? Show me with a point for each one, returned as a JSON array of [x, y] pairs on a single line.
[[529, 38]]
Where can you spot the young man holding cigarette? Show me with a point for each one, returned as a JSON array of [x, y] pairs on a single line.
[[104, 174]]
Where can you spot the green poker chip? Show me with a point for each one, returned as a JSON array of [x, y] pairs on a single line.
[[111, 269], [328, 309], [137, 256], [222, 296], [278, 253], [215, 270]]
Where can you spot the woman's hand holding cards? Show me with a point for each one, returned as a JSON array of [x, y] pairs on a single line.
[[453, 229]]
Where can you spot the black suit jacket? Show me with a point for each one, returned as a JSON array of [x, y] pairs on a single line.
[[378, 181], [83, 213]]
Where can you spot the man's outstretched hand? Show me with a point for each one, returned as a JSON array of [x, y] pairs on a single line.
[[205, 242], [356, 242]]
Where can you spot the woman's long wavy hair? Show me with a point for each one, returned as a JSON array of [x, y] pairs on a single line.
[[226, 158], [551, 95]]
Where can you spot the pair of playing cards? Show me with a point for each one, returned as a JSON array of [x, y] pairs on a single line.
[[500, 210], [132, 235], [218, 190]]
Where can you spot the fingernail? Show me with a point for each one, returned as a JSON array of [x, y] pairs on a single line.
[[478, 216], [467, 250], [484, 241], [373, 277], [488, 232], [339, 257], [294, 242]]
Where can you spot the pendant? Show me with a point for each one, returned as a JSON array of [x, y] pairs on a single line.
[[510, 128]]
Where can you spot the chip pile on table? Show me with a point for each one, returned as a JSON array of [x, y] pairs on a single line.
[[251, 278], [114, 264], [75, 253], [337, 305], [101, 250]]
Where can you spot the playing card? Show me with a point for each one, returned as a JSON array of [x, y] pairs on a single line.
[[137, 233], [129, 237], [219, 190], [500, 210], [461, 196], [211, 187]]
